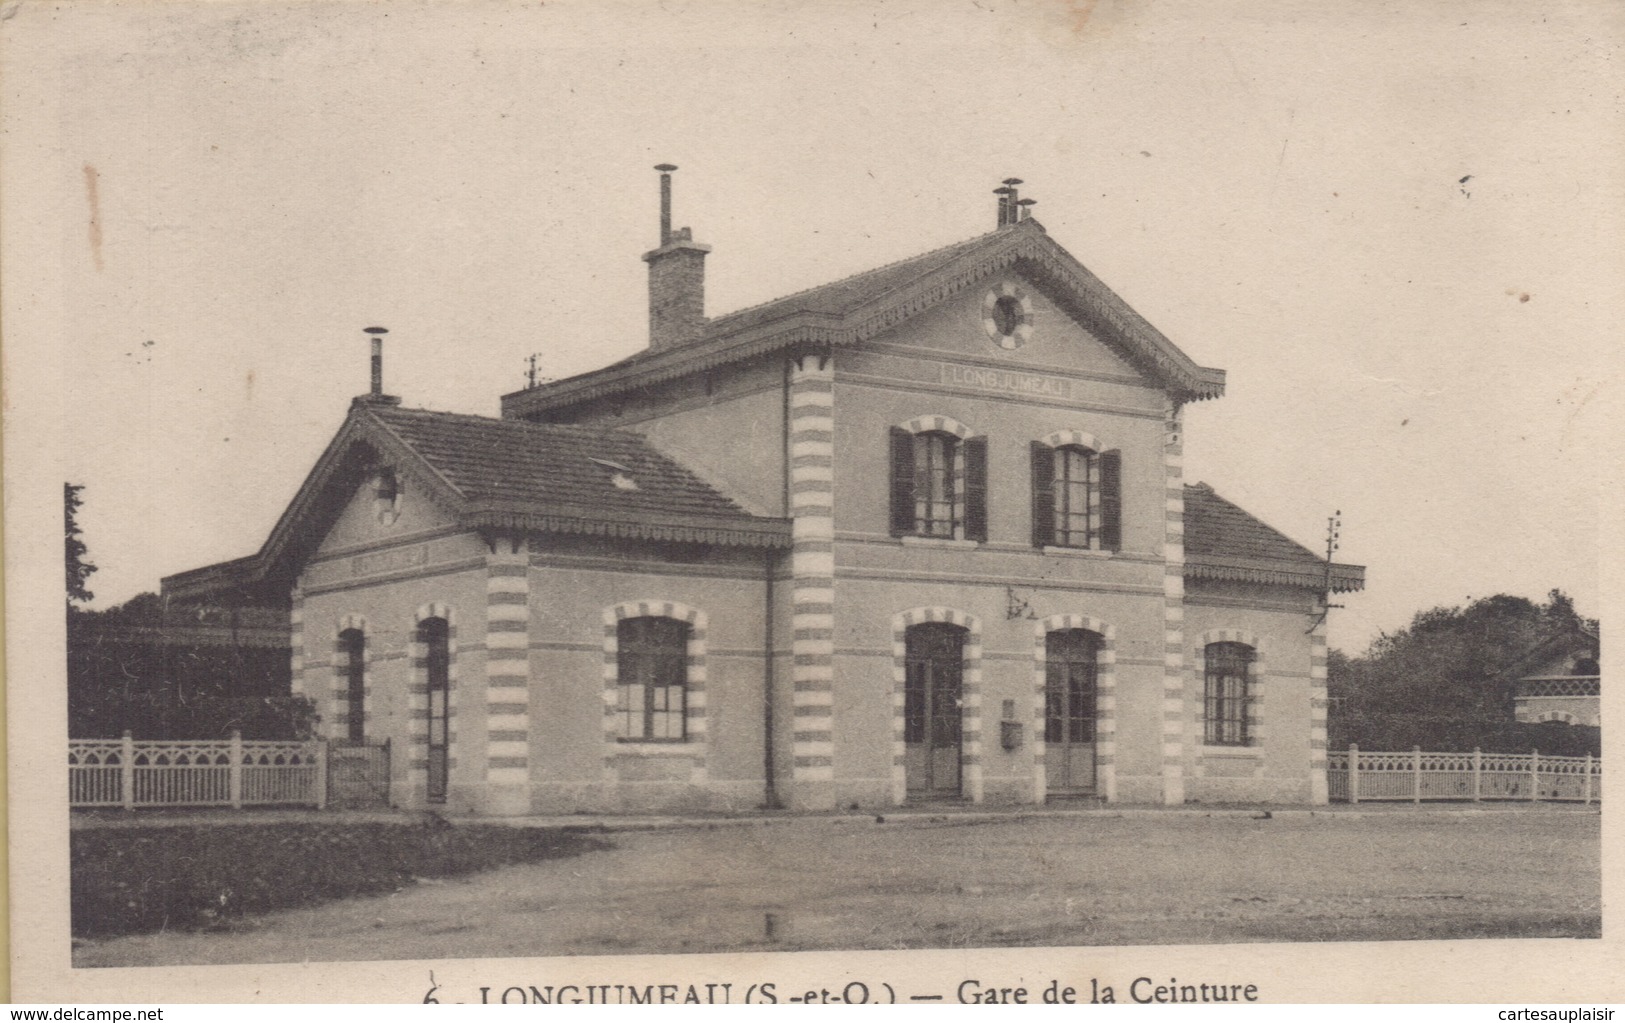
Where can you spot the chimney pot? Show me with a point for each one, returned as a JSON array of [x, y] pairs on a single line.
[[376, 395], [1009, 202], [665, 170], [377, 358]]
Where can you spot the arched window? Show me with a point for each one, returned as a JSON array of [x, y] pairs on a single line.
[[652, 669], [938, 481], [1228, 676], [353, 654], [1076, 497], [935, 484], [435, 635]]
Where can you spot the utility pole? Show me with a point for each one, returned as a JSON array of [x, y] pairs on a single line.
[[1334, 532]]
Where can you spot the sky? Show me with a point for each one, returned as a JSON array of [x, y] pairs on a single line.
[[1395, 226]]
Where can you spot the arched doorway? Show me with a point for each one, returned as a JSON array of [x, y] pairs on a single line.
[[933, 694], [1071, 676]]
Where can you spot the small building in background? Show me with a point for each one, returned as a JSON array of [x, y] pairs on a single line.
[[1561, 682]]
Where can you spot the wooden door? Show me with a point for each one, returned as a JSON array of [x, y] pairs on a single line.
[[933, 690], [1071, 659]]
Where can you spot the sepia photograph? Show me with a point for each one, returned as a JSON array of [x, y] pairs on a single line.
[[753, 502]]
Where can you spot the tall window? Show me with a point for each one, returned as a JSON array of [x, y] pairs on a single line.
[[652, 667], [435, 635], [935, 455], [353, 655], [938, 485], [1076, 497], [1229, 668], [1077, 493]]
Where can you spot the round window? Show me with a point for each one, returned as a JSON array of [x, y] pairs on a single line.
[[386, 497], [1007, 316]]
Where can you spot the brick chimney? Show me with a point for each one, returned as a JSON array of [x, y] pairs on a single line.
[[676, 278]]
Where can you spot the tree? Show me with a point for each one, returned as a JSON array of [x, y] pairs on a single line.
[[78, 567], [1448, 681], [129, 669]]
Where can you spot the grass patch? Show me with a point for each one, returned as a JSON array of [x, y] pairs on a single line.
[[134, 880]]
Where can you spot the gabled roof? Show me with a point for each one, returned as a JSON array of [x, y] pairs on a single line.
[[504, 474], [496, 474], [1565, 642], [1224, 542], [507, 463], [851, 310]]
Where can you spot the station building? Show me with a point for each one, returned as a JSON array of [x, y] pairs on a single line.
[[919, 534]]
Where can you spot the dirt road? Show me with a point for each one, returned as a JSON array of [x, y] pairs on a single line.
[[852, 883]]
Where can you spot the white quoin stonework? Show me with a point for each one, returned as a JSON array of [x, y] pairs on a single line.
[[507, 678], [812, 569], [1173, 677], [296, 642], [1318, 793]]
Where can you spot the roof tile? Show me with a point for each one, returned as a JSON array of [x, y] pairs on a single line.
[[839, 297], [1214, 526], [854, 308], [512, 461]]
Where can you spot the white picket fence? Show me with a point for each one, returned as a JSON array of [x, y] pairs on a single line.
[[1357, 777], [227, 772]]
